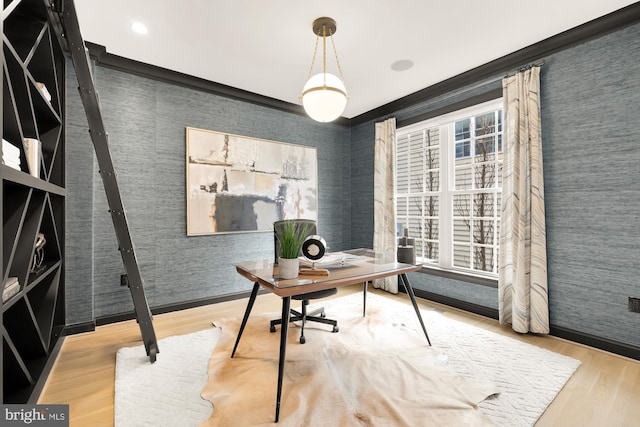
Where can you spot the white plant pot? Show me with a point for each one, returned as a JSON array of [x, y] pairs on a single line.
[[288, 268]]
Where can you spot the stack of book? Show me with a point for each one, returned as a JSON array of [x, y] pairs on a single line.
[[10, 288], [10, 155]]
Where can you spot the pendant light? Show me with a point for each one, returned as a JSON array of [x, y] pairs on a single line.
[[324, 96]]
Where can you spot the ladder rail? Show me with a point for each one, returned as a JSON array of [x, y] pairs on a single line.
[[67, 23]]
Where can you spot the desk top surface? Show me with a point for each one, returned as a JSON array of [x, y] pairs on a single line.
[[355, 266]]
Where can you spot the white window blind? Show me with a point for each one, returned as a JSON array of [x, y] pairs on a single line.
[[448, 186]]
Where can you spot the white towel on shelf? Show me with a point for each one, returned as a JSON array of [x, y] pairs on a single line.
[[10, 155], [13, 165], [10, 158], [9, 148]]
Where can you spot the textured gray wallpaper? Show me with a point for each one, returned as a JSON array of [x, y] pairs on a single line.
[[79, 208], [590, 110], [146, 122]]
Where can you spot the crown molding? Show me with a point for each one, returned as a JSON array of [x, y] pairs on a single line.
[[108, 60], [596, 28]]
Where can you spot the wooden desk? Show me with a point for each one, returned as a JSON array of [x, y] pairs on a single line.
[[264, 273]]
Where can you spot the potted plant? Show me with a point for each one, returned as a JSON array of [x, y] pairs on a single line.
[[290, 236]]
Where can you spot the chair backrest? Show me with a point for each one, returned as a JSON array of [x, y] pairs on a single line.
[[311, 230]]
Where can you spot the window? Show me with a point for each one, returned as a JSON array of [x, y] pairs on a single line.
[[448, 186]]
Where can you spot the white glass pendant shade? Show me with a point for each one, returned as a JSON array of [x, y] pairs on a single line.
[[324, 103]]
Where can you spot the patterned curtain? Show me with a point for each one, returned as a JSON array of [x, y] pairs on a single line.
[[384, 209], [522, 282]]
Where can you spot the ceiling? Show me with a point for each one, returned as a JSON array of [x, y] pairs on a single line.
[[266, 46]]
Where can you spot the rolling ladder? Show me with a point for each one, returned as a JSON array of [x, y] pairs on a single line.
[[63, 16]]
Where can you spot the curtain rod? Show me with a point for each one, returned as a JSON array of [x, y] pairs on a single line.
[[385, 118], [488, 95], [524, 68]]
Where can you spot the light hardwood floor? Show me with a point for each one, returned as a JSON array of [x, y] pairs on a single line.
[[604, 391]]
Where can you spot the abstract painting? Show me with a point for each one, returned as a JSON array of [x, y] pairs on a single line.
[[242, 184]]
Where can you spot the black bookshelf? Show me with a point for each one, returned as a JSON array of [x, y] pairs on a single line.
[[32, 197]]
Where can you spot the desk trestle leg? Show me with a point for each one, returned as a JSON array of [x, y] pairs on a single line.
[[412, 297], [284, 330], [364, 298], [252, 299]]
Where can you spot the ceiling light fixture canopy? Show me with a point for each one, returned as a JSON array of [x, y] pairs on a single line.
[[324, 96]]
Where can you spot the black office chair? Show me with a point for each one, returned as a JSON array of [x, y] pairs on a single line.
[[317, 315]]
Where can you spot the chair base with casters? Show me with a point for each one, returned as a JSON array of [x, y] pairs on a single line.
[[317, 315]]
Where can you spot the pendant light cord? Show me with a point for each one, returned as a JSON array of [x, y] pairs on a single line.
[[313, 60], [335, 52], [324, 56]]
